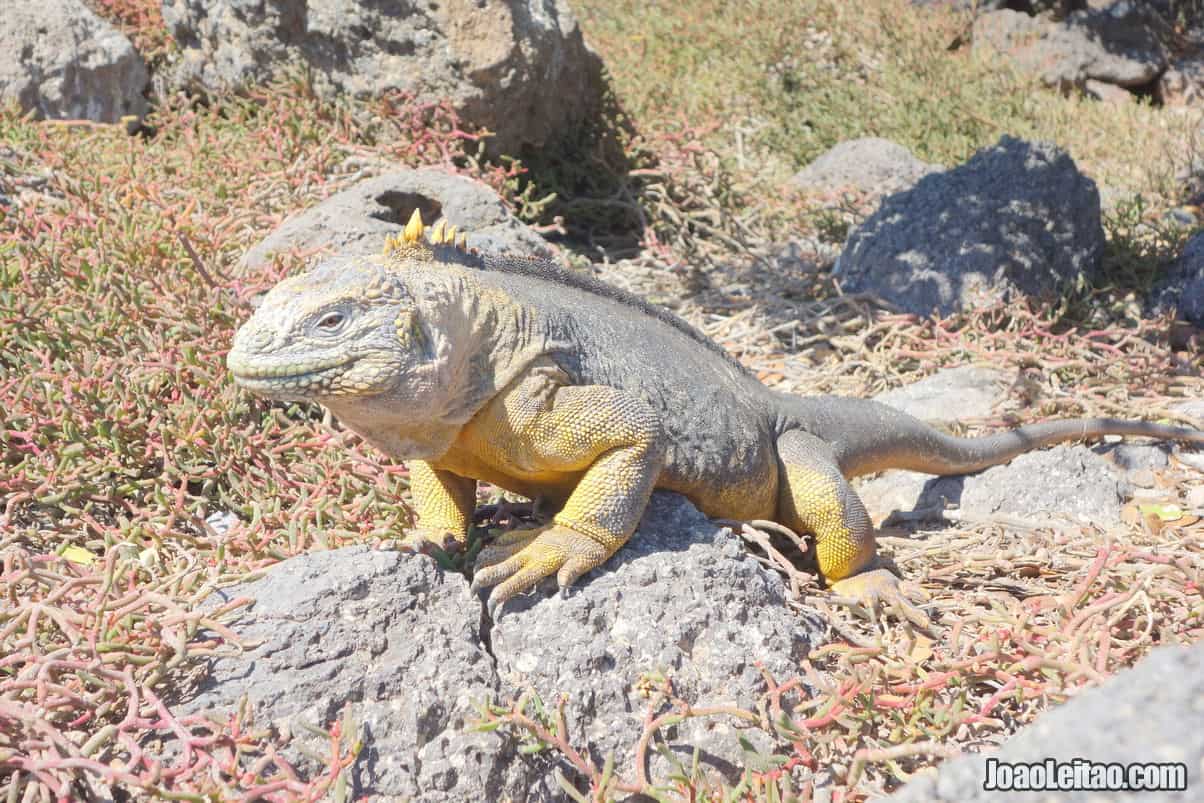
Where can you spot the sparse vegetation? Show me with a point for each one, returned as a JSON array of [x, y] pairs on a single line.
[[136, 479]]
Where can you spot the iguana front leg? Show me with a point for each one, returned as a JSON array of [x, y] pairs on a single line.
[[444, 503], [545, 431]]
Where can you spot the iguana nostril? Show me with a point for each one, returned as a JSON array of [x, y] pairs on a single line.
[[261, 339]]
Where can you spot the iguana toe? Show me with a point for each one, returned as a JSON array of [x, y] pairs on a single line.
[[506, 545], [421, 539], [552, 549], [879, 589]]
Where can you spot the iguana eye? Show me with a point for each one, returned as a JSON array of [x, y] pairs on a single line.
[[331, 321]]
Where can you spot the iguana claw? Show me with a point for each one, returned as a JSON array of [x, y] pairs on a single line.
[[879, 589], [421, 539], [518, 560]]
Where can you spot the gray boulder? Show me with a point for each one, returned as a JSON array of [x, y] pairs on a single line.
[[1057, 8], [1182, 287], [683, 599], [1183, 82], [1109, 93], [1193, 408], [61, 61], [952, 394], [1071, 484], [1189, 178], [517, 67], [1063, 485], [394, 637], [1150, 713], [979, 6], [411, 650], [870, 165], [1123, 45], [357, 220], [1018, 218], [1136, 457]]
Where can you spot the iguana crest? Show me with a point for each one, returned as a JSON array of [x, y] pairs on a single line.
[[414, 236]]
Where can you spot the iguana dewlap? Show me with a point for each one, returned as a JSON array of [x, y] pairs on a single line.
[[545, 383]]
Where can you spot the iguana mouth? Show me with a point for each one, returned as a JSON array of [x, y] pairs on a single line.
[[294, 377]]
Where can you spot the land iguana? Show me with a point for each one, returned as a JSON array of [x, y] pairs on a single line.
[[551, 384]]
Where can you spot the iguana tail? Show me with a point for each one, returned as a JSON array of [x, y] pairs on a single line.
[[867, 436]]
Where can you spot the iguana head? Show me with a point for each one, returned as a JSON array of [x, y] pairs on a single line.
[[383, 341], [349, 327], [343, 329]]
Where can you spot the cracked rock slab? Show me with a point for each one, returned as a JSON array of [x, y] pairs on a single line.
[[395, 637], [1150, 713], [953, 394], [409, 647], [1060, 486], [357, 220], [682, 599]]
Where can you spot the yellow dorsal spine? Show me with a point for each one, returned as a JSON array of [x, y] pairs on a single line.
[[442, 233], [414, 229]]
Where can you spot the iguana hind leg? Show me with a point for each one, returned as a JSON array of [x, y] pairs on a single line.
[[610, 438], [815, 497]]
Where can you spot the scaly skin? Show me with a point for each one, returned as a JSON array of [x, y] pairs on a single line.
[[515, 372]]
